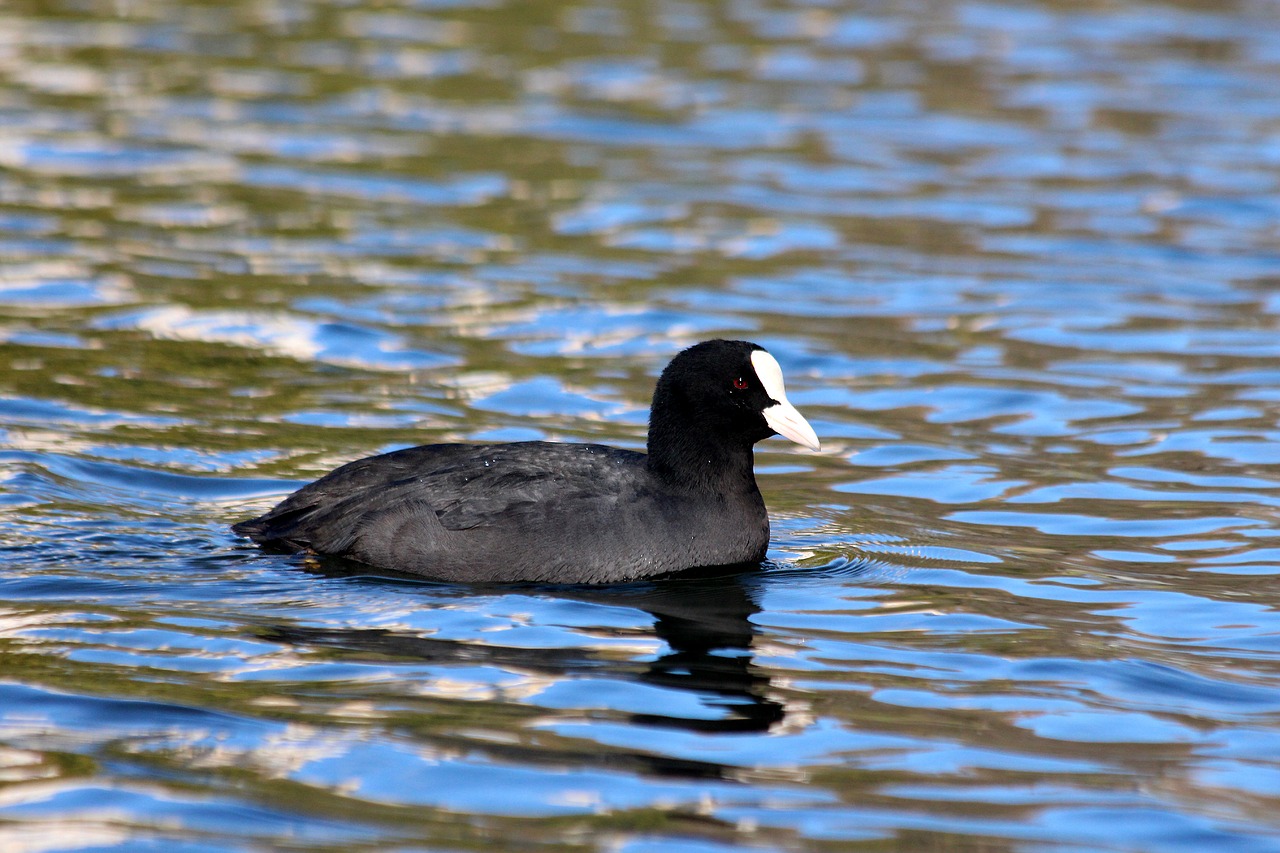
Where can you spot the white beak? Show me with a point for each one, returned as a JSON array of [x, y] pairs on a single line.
[[782, 417]]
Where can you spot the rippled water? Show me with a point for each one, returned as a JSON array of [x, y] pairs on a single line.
[[1020, 263]]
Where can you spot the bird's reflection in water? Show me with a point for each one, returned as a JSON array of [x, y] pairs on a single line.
[[706, 625], [704, 622]]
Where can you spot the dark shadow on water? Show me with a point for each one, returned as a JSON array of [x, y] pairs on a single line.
[[704, 619]]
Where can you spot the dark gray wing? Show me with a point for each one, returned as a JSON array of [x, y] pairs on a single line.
[[466, 486]]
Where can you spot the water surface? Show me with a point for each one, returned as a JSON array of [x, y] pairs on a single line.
[[1018, 261]]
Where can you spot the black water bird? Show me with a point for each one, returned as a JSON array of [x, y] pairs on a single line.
[[535, 511]]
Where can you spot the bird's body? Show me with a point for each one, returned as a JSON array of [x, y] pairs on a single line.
[[464, 512], [564, 513]]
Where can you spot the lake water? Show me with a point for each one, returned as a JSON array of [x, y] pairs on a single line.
[[1019, 261]]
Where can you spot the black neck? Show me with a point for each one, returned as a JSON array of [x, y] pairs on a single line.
[[689, 455]]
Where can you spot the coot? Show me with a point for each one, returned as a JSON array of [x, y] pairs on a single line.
[[565, 513]]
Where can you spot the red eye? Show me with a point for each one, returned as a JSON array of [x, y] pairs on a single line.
[[740, 384]]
